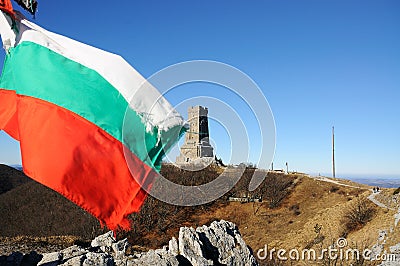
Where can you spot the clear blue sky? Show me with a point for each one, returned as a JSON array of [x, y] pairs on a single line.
[[319, 63]]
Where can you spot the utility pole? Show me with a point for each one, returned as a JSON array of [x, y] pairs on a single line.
[[333, 152], [287, 168]]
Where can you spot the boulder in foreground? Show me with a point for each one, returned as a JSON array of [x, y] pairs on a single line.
[[217, 244]]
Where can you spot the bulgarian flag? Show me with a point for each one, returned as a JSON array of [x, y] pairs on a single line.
[[87, 126]]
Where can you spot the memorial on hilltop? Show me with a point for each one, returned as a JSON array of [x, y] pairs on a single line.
[[197, 147]]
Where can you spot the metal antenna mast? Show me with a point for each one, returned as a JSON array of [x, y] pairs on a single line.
[[333, 151]]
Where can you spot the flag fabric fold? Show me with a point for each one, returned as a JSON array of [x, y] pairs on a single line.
[[87, 126]]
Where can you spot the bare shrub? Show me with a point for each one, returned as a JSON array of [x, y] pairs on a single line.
[[295, 208], [359, 213], [333, 189], [273, 189], [276, 189]]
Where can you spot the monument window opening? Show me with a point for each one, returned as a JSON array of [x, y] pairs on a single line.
[[197, 145]]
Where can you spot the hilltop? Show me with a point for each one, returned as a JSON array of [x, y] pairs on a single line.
[[297, 211], [11, 178]]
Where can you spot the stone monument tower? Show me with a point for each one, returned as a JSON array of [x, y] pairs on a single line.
[[197, 146]]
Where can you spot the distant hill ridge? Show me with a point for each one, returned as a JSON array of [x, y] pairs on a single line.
[[29, 208], [379, 182], [11, 178]]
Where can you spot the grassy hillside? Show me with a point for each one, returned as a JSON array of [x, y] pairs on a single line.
[[32, 209], [11, 178], [297, 211], [29, 208]]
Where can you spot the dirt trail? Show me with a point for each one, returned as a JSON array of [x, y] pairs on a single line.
[[370, 197], [325, 179], [378, 203]]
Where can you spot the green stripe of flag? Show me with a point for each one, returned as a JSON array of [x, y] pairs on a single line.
[[44, 74]]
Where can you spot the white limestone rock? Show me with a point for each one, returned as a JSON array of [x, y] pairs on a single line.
[[217, 244]]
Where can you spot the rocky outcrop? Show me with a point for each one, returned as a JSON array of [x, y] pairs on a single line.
[[217, 244], [397, 217], [394, 258]]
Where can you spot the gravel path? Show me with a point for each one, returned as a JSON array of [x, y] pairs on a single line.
[[325, 179], [378, 203]]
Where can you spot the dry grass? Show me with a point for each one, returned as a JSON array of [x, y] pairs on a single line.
[[157, 222], [45, 240], [290, 224], [311, 197]]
